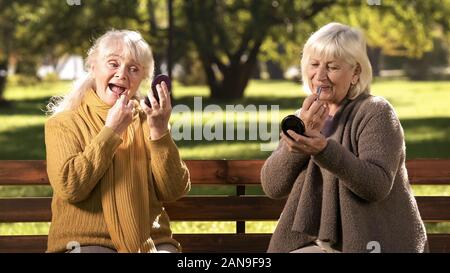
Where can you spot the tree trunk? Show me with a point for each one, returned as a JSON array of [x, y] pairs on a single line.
[[158, 58], [234, 81], [256, 73], [275, 71], [236, 75], [3, 80], [418, 69], [374, 54], [213, 84]]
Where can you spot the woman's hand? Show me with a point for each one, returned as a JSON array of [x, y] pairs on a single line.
[[311, 144], [314, 113], [158, 116], [120, 115]]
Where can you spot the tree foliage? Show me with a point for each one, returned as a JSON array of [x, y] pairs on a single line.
[[226, 36]]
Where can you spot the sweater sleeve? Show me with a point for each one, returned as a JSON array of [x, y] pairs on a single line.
[[74, 170], [280, 171], [371, 174], [171, 176]]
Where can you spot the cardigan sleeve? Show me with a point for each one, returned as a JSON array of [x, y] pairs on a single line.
[[370, 174], [171, 176], [280, 171], [74, 170]]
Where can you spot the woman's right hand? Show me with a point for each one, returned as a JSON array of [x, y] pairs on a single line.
[[314, 113], [120, 115]]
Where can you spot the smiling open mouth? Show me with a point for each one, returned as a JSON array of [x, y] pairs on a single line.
[[116, 89]]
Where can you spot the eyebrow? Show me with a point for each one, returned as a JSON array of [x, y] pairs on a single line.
[[334, 61], [115, 55]]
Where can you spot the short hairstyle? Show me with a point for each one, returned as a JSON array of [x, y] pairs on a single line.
[[343, 42], [133, 46]]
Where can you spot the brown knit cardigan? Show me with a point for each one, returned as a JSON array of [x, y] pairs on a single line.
[[355, 193]]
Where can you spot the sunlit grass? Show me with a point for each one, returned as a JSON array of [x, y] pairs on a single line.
[[197, 227], [260, 226], [24, 228], [188, 227], [425, 190], [243, 150], [203, 227], [28, 191], [416, 99], [421, 106]]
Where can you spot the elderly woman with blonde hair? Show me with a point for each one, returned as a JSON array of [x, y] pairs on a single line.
[[111, 160], [345, 178]]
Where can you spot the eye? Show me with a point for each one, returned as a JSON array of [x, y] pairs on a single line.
[[134, 69], [113, 64], [314, 64], [332, 67]]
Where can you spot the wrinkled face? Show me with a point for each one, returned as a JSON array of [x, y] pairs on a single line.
[[334, 76], [115, 75]]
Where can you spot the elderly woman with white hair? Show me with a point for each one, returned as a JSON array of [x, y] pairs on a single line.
[[111, 160], [345, 177]]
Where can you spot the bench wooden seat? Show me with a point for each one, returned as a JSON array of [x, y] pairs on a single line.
[[238, 208]]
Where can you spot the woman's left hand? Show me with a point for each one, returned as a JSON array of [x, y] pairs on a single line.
[[311, 144], [159, 114]]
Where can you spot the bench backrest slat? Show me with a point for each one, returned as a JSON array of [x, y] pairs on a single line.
[[231, 172], [190, 208], [207, 208]]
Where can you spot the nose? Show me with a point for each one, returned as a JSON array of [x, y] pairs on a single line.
[[322, 73], [121, 73]]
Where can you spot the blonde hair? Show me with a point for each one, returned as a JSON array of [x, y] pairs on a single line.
[[134, 47], [336, 40]]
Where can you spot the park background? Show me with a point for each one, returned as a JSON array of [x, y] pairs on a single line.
[[228, 52]]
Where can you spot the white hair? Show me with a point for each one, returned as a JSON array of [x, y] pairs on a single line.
[[134, 47], [336, 40]]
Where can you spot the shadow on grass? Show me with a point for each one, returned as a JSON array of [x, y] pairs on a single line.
[[28, 142], [23, 143], [26, 107], [249, 146], [37, 106], [435, 147]]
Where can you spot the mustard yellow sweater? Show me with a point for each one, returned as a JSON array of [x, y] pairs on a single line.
[[77, 158]]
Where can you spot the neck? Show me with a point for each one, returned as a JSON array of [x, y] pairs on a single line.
[[333, 108]]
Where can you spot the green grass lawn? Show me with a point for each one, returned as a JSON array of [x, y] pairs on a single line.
[[422, 107]]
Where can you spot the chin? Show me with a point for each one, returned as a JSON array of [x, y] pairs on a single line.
[[111, 100]]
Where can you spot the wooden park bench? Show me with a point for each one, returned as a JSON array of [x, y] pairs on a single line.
[[238, 208]]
